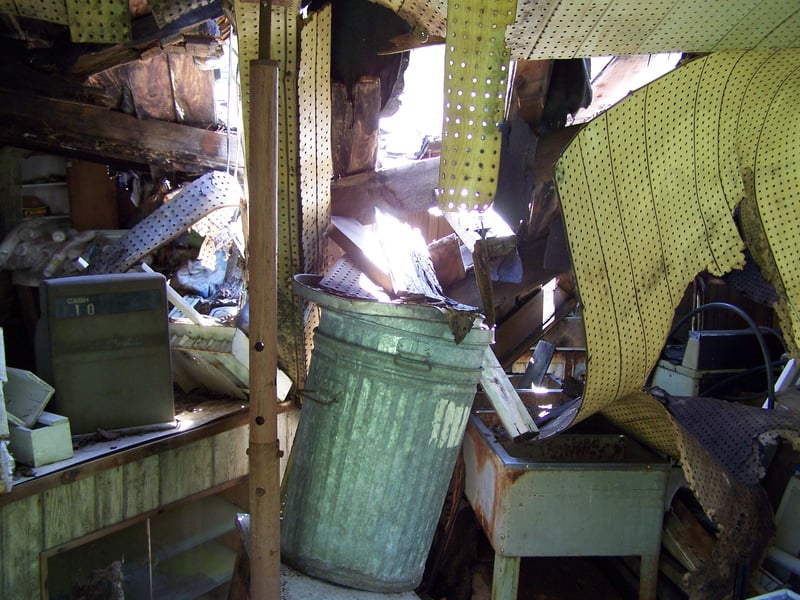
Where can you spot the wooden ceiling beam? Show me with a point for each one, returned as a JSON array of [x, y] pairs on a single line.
[[70, 128]]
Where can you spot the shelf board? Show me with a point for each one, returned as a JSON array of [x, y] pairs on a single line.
[[191, 525], [44, 184]]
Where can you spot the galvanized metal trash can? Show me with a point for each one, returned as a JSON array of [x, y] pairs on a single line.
[[386, 404]]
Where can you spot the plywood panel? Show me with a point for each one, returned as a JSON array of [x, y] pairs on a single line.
[[186, 470], [141, 486], [230, 455], [69, 512], [21, 531], [109, 507], [92, 196]]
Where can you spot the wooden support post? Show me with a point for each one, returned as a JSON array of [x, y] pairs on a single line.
[[263, 287], [510, 409]]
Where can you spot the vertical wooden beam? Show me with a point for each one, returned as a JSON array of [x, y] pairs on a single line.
[[262, 176]]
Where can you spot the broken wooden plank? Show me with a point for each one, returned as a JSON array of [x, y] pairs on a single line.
[[447, 261], [685, 538], [397, 191], [410, 265], [392, 254], [109, 136], [355, 131], [363, 248], [192, 92], [150, 82], [513, 414]]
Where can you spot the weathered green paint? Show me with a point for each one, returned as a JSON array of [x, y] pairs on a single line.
[[386, 403]]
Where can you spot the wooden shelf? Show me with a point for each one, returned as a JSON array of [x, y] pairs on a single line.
[[44, 184], [188, 555]]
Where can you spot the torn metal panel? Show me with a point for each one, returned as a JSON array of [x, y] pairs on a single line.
[[196, 200], [648, 192], [545, 29]]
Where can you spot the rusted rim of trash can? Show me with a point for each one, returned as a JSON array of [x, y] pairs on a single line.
[[307, 286]]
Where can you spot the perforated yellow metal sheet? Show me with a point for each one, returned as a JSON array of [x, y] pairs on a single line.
[[648, 193], [167, 11], [53, 11], [546, 29], [211, 192], [476, 77], [99, 21], [284, 40], [429, 16], [7, 7], [316, 161], [770, 214]]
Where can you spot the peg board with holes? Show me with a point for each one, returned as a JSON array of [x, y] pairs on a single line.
[[53, 11], [648, 191], [99, 21], [316, 158], [167, 11], [428, 16], [211, 192], [476, 73], [304, 158], [546, 29]]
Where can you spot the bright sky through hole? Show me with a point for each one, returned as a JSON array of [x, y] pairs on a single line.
[[421, 108]]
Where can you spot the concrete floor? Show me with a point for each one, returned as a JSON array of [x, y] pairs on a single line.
[[296, 586]]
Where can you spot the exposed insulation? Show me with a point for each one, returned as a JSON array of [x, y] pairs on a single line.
[[546, 29]]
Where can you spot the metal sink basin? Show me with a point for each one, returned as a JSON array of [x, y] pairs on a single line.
[[568, 495]]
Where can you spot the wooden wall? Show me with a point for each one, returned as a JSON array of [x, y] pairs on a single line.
[[124, 491]]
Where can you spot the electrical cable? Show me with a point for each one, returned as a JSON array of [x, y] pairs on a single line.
[[739, 375], [751, 327]]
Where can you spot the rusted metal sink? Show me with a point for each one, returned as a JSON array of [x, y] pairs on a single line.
[[568, 495]]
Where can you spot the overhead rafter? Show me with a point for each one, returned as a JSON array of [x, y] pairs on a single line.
[[107, 136]]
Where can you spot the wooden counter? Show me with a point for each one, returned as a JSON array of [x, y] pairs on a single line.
[[112, 484]]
